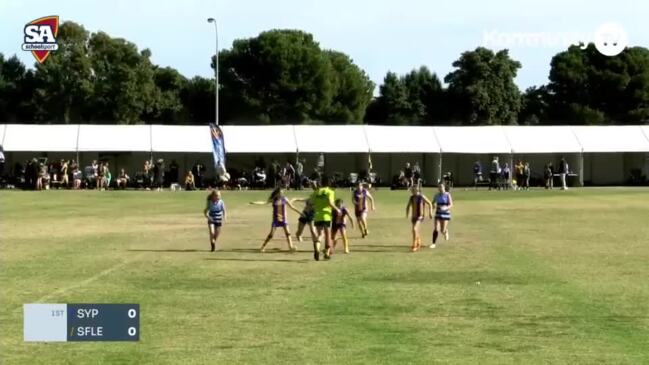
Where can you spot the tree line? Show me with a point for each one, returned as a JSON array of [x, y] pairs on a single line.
[[284, 76]]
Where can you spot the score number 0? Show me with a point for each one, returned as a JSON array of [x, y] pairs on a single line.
[[132, 313]]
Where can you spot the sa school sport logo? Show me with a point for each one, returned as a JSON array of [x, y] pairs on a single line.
[[40, 37]]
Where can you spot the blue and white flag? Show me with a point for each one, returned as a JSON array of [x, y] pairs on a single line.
[[218, 151]]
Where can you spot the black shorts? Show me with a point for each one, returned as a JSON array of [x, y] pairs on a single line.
[[323, 224], [305, 218], [214, 223]]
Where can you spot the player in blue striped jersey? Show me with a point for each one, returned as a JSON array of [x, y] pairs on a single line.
[[442, 203], [215, 213]]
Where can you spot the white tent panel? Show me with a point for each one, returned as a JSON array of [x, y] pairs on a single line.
[[117, 138], [331, 138], [611, 138], [476, 140], [41, 137], [645, 130], [2, 132], [259, 139], [388, 139], [542, 139], [175, 138]]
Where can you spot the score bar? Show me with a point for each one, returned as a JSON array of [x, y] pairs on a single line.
[[81, 322]]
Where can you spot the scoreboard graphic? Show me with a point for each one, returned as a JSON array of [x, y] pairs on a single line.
[[81, 322]]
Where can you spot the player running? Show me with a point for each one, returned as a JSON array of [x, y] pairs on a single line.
[[416, 205], [442, 202], [307, 215], [360, 196], [340, 224], [215, 213], [280, 219], [323, 205]]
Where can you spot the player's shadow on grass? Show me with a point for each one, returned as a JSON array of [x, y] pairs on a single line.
[[377, 248], [255, 250], [299, 261], [460, 278], [165, 250]]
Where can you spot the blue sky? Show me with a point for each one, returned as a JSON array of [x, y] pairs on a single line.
[[380, 35]]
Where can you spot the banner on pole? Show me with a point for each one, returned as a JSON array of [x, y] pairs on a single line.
[[218, 151]]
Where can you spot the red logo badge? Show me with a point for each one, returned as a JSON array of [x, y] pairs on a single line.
[[40, 37]]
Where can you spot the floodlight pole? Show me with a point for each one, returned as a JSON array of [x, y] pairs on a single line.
[[216, 71]]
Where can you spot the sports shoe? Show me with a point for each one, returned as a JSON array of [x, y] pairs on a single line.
[[432, 246], [213, 246]]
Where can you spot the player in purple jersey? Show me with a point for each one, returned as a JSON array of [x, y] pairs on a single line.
[[360, 198], [417, 205], [280, 219], [340, 224]]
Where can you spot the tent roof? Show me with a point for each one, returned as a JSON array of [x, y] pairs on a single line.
[[611, 138], [116, 138], [472, 140], [258, 139], [176, 138], [326, 138], [40, 137], [542, 139], [331, 138], [402, 139]]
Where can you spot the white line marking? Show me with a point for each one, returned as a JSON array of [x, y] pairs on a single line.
[[81, 283]]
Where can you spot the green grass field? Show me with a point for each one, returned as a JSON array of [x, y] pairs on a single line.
[[532, 277]]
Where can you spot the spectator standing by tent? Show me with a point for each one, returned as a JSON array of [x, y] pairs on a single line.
[[564, 170], [199, 171], [518, 169], [407, 171], [477, 173], [527, 172], [158, 174], [173, 172], [289, 175], [275, 173], [321, 164], [416, 174], [548, 174], [299, 171], [505, 173], [64, 173], [494, 173]]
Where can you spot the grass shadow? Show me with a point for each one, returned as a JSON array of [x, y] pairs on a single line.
[[168, 250], [300, 261]]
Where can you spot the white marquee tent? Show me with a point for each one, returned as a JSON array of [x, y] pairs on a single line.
[[598, 154]]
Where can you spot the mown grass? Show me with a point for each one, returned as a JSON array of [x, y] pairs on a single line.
[[528, 278]]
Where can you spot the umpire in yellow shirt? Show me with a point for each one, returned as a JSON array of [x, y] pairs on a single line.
[[323, 205]]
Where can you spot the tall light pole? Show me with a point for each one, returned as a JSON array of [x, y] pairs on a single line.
[[216, 71]]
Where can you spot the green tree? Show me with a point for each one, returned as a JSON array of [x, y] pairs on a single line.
[[482, 88], [197, 98], [168, 105], [124, 80], [64, 81], [587, 87], [16, 90], [279, 76], [534, 106], [412, 99], [351, 90]]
